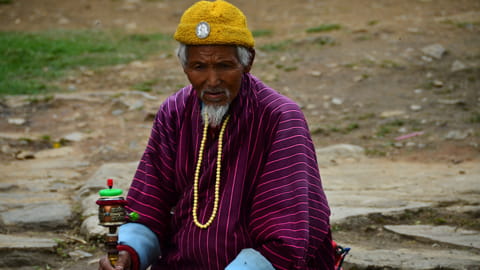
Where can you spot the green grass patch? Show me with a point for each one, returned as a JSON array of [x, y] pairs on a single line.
[[145, 86], [29, 62], [463, 24], [475, 118], [390, 64], [324, 28], [279, 46], [262, 33]]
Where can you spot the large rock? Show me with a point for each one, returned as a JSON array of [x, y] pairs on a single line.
[[384, 258], [340, 213], [337, 152], [10, 242], [444, 234], [90, 228], [435, 50], [39, 216], [121, 173], [18, 251]]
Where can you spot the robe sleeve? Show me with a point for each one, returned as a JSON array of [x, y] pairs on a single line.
[[152, 193], [289, 220]]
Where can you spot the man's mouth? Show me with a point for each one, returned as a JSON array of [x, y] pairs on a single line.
[[214, 96]]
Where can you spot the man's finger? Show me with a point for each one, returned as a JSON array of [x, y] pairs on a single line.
[[124, 261], [104, 264]]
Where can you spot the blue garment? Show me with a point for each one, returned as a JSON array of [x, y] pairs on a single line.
[[142, 240], [145, 243], [250, 259]]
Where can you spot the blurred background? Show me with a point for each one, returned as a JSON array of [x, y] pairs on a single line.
[[393, 85]]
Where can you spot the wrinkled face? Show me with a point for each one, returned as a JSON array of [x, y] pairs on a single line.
[[215, 73]]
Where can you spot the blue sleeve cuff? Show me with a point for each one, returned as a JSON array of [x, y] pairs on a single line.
[[250, 259], [142, 240]]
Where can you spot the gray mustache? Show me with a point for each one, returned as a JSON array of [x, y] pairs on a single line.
[[216, 91]]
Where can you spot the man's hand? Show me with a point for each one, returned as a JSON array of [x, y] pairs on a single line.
[[123, 263]]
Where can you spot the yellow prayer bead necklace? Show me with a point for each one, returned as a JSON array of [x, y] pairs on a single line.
[[217, 175]]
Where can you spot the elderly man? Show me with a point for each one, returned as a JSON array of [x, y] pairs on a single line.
[[229, 179]]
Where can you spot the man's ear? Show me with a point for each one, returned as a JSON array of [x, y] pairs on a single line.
[[249, 67]]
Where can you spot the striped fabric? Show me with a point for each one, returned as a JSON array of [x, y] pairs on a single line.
[[271, 193]]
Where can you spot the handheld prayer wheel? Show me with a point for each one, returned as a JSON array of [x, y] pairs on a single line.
[[111, 214]]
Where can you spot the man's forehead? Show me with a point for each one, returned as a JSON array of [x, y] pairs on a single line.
[[217, 50]]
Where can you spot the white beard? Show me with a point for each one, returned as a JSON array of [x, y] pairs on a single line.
[[215, 114]]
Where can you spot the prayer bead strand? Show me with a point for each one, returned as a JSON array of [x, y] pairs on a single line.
[[217, 174]]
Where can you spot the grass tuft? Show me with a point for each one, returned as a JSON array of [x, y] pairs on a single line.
[[29, 62], [262, 33], [324, 28]]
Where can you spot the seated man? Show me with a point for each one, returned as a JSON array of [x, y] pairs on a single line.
[[229, 179]]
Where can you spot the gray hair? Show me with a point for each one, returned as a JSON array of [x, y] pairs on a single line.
[[243, 54]]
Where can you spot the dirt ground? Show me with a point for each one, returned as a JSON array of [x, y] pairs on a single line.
[[367, 83], [364, 84]]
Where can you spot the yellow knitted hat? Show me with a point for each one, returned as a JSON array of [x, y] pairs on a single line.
[[214, 23]]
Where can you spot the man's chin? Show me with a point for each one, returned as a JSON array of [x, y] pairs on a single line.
[[215, 103], [215, 113]]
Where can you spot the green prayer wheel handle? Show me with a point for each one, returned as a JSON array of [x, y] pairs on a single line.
[[134, 216], [110, 192]]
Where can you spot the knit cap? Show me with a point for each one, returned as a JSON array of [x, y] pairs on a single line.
[[214, 23]]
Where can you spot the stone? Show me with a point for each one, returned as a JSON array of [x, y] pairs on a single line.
[[315, 73], [398, 144], [9, 242], [359, 78], [6, 149], [91, 229], [426, 58], [79, 254], [452, 101], [47, 215], [458, 66], [131, 26], [121, 173], [337, 101], [418, 91], [340, 213], [415, 107], [25, 155], [55, 152], [16, 121], [444, 234], [90, 208], [437, 83], [419, 259], [390, 114], [63, 21], [457, 135], [137, 105], [340, 151], [435, 50], [74, 137], [117, 112]]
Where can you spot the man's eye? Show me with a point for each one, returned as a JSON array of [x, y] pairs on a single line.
[[198, 67], [224, 66]]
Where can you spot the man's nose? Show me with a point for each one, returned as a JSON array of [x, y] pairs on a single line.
[[213, 78]]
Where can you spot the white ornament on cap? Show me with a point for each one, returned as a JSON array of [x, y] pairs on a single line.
[[202, 30]]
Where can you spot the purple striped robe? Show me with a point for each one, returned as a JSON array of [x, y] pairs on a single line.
[[271, 200]]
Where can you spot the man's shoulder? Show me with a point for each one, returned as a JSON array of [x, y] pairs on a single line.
[[178, 100], [271, 100]]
